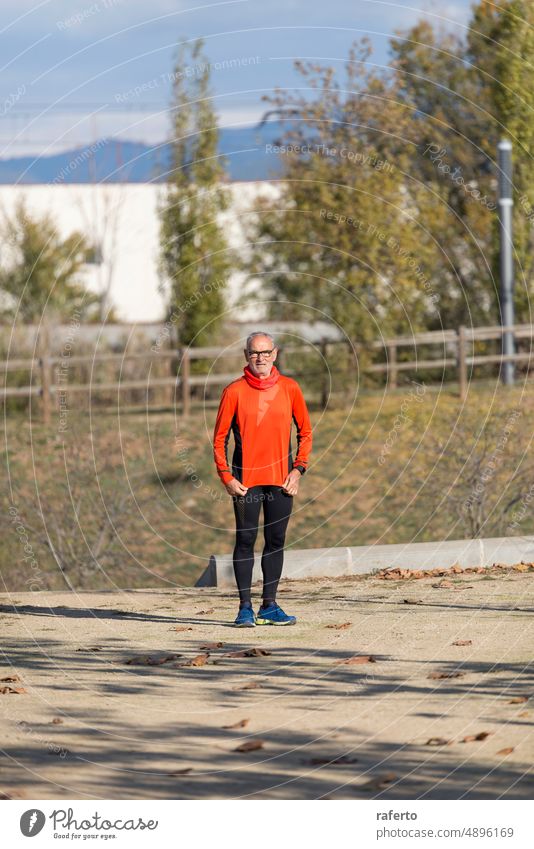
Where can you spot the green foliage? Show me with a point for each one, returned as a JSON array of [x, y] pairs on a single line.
[[514, 98], [435, 118], [345, 242], [40, 272], [470, 93], [195, 261], [448, 83]]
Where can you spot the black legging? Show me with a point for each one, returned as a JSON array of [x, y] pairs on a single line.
[[277, 506]]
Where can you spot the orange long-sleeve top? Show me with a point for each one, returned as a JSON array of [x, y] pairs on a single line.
[[261, 421]]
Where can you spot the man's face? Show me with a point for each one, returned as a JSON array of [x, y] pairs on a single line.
[[261, 365]]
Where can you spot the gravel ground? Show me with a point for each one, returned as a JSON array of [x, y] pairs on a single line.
[[91, 725]]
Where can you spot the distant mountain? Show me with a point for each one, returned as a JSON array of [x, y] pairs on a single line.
[[115, 161]]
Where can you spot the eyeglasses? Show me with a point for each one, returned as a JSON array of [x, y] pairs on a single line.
[[257, 354]]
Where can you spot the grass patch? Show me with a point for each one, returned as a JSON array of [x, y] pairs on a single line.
[[128, 510]]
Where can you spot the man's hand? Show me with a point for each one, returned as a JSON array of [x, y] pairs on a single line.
[[291, 483], [234, 487]]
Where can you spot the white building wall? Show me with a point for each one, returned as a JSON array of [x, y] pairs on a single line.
[[123, 219]]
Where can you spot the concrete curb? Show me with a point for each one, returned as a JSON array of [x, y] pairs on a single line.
[[365, 559]]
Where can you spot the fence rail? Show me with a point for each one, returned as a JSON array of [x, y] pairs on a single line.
[[48, 387]]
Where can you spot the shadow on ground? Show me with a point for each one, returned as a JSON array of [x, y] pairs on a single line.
[[124, 750]]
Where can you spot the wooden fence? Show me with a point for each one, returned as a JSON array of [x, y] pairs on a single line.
[[44, 369]]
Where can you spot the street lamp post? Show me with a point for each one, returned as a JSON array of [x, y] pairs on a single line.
[[506, 257]]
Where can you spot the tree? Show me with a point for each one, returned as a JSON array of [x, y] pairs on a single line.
[[514, 100], [39, 271], [469, 93], [195, 259], [448, 82], [346, 241]]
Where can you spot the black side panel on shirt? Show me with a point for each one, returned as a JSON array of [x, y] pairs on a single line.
[[298, 435], [300, 468], [289, 458], [237, 459]]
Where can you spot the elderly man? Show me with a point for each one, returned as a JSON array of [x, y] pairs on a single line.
[[259, 408]]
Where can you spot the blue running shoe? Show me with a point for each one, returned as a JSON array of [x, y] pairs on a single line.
[[245, 618], [274, 615]]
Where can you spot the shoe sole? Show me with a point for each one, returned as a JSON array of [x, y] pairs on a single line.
[[245, 624], [269, 622]]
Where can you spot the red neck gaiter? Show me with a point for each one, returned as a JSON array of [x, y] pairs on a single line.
[[261, 383]]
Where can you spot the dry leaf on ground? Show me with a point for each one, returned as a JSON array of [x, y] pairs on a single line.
[[437, 675], [518, 700], [181, 628], [180, 772], [340, 627], [357, 658], [252, 685], [381, 782], [10, 679], [463, 643], [507, 751], [411, 574], [209, 646], [395, 574], [199, 660], [412, 600], [250, 746], [480, 736], [241, 724], [5, 691], [438, 741], [209, 610]]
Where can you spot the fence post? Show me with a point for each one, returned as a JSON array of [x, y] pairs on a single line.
[[326, 374], [186, 389], [462, 362], [172, 368], [279, 360], [45, 368], [354, 352], [392, 367]]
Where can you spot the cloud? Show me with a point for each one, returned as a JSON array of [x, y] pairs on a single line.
[[89, 50]]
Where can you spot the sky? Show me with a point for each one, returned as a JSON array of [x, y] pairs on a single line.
[[74, 71]]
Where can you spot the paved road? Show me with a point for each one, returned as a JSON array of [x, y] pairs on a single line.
[[91, 725]]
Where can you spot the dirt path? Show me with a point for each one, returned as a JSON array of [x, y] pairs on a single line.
[[91, 725]]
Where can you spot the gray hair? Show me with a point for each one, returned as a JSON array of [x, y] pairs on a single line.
[[259, 333]]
